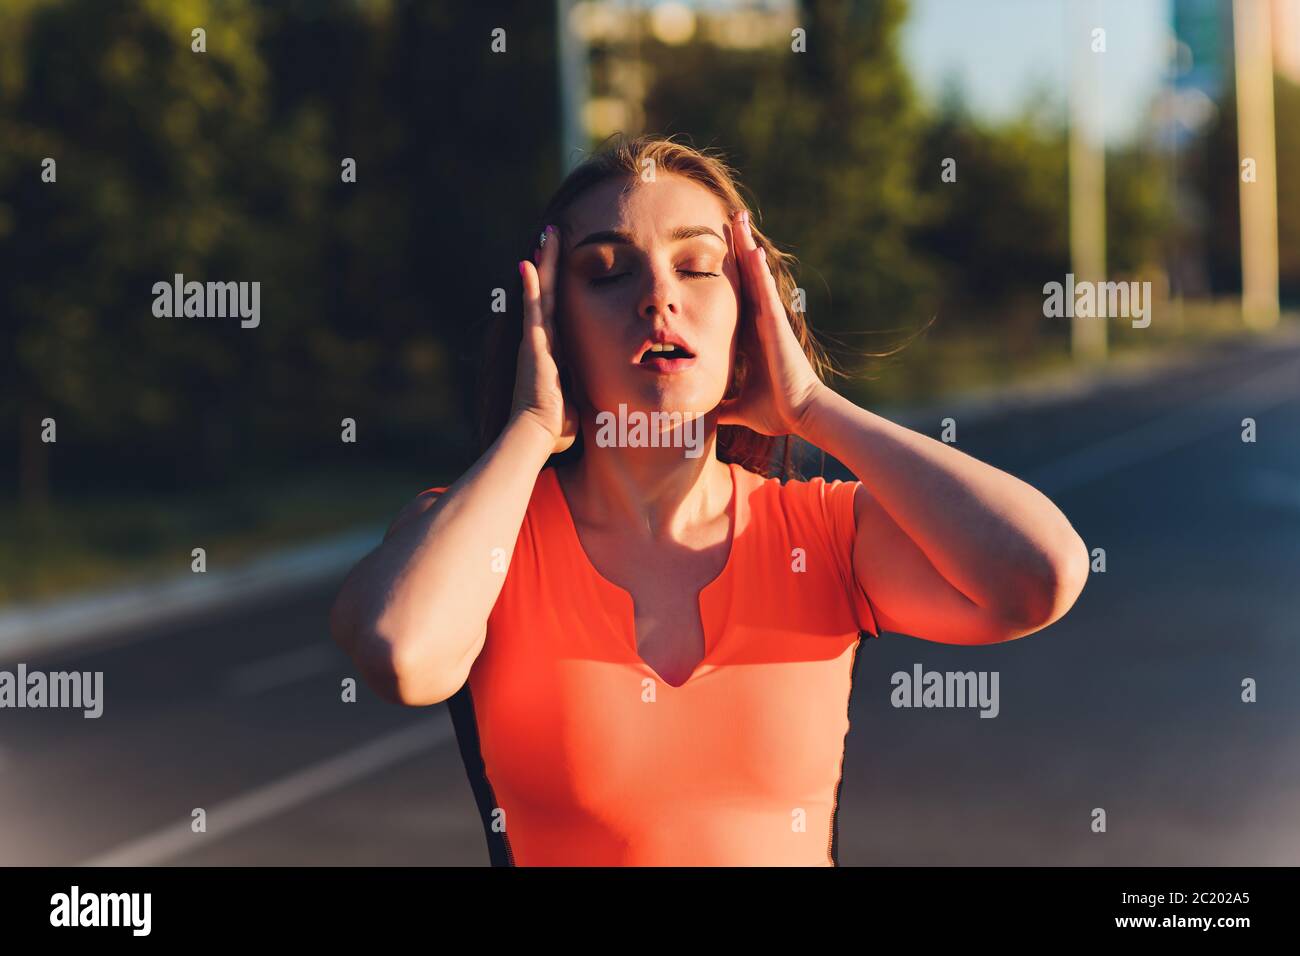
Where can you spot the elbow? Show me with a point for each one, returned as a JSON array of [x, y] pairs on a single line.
[[413, 680], [389, 665], [1054, 585], [402, 673], [397, 676], [372, 660]]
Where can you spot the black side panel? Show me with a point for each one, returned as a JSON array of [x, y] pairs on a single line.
[[835, 817], [461, 705]]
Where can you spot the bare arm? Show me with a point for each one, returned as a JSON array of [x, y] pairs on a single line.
[[949, 548], [413, 613]]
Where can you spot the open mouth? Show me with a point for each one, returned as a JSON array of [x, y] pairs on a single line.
[[665, 353]]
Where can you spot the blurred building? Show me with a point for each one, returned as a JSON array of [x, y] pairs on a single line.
[[613, 34]]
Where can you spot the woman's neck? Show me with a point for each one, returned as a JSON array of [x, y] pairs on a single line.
[[658, 492]]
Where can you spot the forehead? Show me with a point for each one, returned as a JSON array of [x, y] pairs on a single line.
[[635, 206]]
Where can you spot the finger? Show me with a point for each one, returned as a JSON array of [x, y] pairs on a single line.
[[768, 280], [548, 271], [535, 328], [547, 259], [756, 270], [742, 242], [747, 257], [532, 295], [744, 233]]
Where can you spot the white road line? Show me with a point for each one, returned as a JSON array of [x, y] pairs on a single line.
[[294, 790], [283, 669], [125, 615], [1168, 432]]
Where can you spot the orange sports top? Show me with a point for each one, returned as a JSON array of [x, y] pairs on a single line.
[[578, 754]]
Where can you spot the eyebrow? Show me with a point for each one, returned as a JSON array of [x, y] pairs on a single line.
[[618, 237]]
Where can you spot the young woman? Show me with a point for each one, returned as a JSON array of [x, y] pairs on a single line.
[[647, 646]]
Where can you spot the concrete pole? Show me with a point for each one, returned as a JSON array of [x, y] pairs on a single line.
[[1087, 174], [575, 81], [1252, 38]]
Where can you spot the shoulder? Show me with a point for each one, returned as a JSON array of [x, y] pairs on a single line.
[[813, 497], [820, 517], [803, 509]]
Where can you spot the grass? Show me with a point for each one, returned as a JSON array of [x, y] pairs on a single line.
[[97, 542]]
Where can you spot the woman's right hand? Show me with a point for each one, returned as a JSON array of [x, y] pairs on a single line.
[[538, 392]]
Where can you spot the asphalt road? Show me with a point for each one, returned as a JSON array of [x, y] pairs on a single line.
[[1131, 703]]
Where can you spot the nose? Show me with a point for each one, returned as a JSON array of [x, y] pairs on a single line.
[[661, 297]]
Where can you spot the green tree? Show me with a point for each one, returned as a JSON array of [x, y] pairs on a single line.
[[825, 139], [167, 162]]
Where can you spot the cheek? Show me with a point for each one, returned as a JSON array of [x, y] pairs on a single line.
[[717, 317], [590, 328]]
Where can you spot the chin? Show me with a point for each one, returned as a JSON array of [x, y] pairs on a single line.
[[670, 396]]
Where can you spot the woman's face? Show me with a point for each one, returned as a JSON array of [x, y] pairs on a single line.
[[643, 261]]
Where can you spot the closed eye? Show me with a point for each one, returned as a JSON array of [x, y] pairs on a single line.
[[609, 279]]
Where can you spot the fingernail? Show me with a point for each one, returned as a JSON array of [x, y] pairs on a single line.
[[522, 273]]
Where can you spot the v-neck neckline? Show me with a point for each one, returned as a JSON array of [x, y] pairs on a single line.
[[737, 509]]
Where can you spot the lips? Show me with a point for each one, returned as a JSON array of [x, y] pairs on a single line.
[[665, 353], [666, 365], [665, 346]]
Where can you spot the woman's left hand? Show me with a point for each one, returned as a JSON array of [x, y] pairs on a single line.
[[780, 385]]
